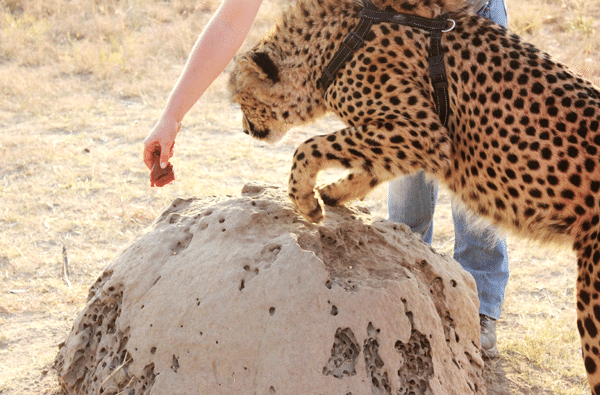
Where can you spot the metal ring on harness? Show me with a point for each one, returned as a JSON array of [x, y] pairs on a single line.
[[451, 27]]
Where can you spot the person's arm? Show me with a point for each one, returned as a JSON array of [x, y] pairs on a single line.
[[214, 49]]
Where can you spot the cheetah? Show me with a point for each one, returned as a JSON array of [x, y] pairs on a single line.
[[520, 146]]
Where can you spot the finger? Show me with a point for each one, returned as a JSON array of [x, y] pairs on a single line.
[[148, 151]]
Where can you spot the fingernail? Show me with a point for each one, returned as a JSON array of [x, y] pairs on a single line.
[[163, 165]]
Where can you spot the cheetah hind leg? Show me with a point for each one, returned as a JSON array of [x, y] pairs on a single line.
[[588, 304], [354, 186]]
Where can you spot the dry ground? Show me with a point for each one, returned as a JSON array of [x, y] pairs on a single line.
[[81, 84]]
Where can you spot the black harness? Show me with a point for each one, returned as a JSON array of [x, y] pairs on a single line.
[[355, 39]]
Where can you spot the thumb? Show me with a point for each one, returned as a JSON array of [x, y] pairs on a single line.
[[165, 154]]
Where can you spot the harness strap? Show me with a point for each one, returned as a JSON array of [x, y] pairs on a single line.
[[437, 74], [355, 39]]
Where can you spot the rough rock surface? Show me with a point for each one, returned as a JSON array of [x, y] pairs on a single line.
[[238, 295]]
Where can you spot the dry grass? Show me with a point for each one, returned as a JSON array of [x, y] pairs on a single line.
[[81, 84]]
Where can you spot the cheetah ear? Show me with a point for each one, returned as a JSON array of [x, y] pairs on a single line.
[[266, 64]]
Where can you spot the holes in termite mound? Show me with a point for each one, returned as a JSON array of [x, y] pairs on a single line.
[[175, 364], [344, 353], [173, 218], [269, 253], [437, 292], [249, 274], [272, 311], [101, 346], [103, 279], [334, 310], [146, 379], [347, 285], [205, 222], [437, 287], [417, 363], [171, 213], [183, 243], [380, 383]]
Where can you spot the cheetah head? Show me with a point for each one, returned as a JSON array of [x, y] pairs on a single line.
[[275, 91], [254, 84]]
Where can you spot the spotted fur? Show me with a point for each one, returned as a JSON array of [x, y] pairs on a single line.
[[521, 147]]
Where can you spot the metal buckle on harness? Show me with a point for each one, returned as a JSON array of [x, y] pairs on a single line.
[[439, 81], [326, 78], [437, 71], [353, 41]]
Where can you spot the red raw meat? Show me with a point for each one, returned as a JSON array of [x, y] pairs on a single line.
[[160, 177]]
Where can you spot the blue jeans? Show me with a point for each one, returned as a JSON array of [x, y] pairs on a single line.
[[412, 198]]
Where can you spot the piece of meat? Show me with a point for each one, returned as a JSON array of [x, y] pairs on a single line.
[[160, 177]]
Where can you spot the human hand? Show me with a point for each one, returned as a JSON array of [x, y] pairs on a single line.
[[161, 138]]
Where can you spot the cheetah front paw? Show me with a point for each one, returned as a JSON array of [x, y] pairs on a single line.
[[355, 186], [328, 194], [309, 207]]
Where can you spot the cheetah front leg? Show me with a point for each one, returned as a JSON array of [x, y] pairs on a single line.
[[373, 154]]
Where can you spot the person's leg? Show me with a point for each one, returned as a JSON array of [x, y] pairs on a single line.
[[482, 253], [495, 11], [411, 200]]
